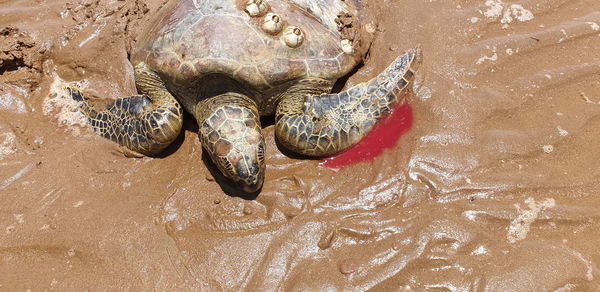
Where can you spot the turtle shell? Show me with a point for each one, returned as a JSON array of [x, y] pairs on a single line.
[[192, 39]]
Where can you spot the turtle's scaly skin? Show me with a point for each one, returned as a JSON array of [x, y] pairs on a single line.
[[144, 123], [228, 64]]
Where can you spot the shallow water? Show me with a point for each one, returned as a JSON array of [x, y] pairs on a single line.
[[495, 187]]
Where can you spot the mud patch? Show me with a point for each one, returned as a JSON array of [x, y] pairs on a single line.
[[17, 51]]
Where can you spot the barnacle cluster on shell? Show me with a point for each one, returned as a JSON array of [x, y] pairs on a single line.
[[273, 24]]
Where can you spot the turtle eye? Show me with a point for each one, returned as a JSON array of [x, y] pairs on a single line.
[[293, 36], [256, 7], [272, 23]]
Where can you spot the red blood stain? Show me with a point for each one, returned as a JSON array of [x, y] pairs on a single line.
[[383, 135]]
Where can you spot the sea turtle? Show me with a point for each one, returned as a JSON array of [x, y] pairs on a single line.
[[228, 62]]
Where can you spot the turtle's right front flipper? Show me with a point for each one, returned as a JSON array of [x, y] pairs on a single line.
[[146, 123]]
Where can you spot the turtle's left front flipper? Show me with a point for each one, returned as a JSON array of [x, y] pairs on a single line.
[[145, 123], [316, 124]]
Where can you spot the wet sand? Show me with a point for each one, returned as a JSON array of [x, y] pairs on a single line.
[[495, 188]]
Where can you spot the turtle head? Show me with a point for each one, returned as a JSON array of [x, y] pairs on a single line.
[[231, 134], [233, 140]]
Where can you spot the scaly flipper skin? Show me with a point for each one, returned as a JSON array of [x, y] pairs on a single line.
[[313, 123], [146, 123], [230, 132]]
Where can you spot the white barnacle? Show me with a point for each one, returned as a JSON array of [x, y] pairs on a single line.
[[347, 46], [293, 36], [272, 23], [256, 7]]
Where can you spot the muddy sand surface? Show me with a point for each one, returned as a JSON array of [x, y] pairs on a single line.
[[496, 187]]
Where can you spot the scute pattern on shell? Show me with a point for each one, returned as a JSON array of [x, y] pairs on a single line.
[[197, 38]]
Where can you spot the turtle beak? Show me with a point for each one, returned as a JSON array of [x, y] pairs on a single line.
[[247, 166], [249, 179], [252, 186]]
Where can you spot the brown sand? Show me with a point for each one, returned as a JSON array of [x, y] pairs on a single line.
[[495, 188]]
